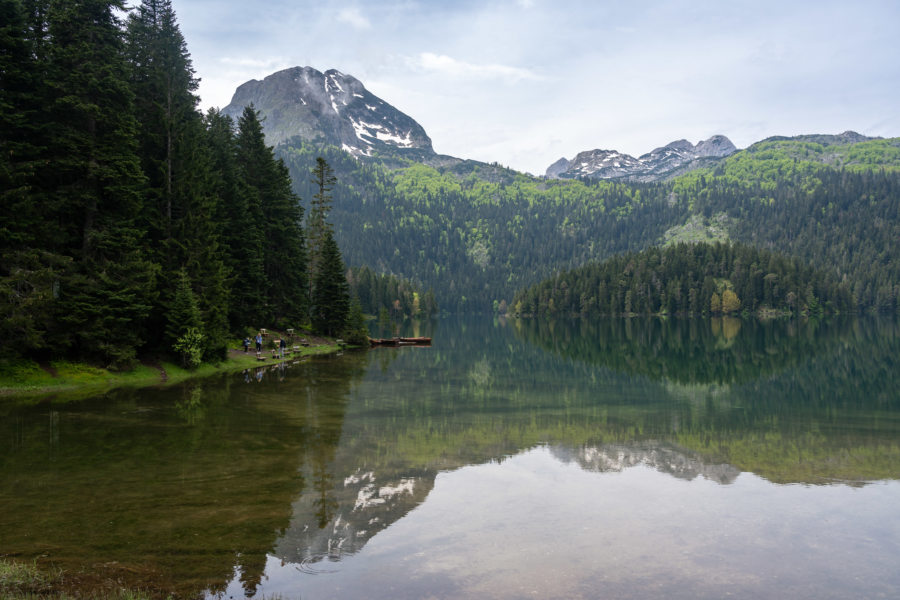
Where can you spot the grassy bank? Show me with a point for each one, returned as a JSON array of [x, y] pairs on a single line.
[[22, 378], [25, 581]]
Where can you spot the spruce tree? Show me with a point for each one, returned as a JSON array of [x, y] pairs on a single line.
[[93, 184], [331, 301], [21, 84], [277, 270], [317, 225], [181, 200], [240, 226], [184, 312], [355, 330], [28, 274]]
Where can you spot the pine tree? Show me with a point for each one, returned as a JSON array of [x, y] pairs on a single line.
[[242, 236], [331, 301], [184, 312], [356, 332], [29, 275], [317, 225], [21, 87], [93, 183], [277, 267], [174, 154], [185, 330]]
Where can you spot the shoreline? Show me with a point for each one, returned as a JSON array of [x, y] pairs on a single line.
[[30, 381]]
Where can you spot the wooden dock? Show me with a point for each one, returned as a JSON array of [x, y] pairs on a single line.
[[400, 341]]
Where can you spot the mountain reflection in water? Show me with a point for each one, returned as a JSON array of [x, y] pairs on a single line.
[[463, 460]]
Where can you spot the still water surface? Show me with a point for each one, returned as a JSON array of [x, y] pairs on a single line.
[[512, 459]]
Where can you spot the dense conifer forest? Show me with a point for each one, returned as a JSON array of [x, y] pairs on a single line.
[[131, 221], [689, 279]]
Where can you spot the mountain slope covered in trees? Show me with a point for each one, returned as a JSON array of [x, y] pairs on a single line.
[[478, 233]]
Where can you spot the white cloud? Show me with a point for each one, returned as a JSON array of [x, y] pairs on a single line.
[[354, 18], [446, 65], [252, 63]]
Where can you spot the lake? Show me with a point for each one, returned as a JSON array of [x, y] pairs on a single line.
[[617, 458]]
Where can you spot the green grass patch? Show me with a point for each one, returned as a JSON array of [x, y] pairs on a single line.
[[25, 580], [67, 381]]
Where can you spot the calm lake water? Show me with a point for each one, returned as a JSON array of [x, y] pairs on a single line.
[[512, 459]]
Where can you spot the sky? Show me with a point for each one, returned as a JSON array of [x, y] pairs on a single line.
[[526, 82]]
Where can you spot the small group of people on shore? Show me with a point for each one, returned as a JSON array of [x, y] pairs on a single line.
[[258, 343], [282, 345]]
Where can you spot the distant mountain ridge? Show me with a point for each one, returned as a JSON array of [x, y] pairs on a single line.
[[336, 109], [841, 139], [667, 161]]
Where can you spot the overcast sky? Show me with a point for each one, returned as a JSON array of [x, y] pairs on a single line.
[[525, 82]]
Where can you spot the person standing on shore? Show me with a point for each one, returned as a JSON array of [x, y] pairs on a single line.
[[259, 342]]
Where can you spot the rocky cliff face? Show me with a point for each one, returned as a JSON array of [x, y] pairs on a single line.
[[330, 107], [661, 163]]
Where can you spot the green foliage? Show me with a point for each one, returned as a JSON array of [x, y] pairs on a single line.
[[400, 298], [115, 191], [190, 346], [317, 225], [476, 233], [356, 332], [688, 279], [184, 312], [278, 293], [330, 299]]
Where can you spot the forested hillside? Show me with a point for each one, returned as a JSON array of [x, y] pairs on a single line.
[[688, 279], [477, 233]]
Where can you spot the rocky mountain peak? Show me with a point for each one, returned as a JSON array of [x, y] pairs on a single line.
[[717, 146], [560, 166], [332, 107]]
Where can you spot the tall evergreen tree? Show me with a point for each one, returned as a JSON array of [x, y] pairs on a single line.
[[21, 83], [164, 84], [28, 274], [276, 219], [240, 227], [317, 225], [331, 299], [180, 196], [184, 313], [93, 183]]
